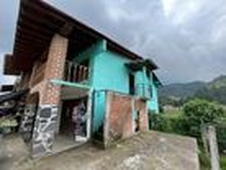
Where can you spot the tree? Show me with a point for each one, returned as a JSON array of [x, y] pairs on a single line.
[[197, 112]]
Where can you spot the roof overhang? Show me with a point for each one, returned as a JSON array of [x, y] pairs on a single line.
[[156, 80], [9, 65], [38, 22], [139, 64]]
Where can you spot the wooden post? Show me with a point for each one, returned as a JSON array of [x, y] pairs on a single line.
[[214, 154]]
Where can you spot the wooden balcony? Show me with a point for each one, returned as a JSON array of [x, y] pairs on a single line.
[[76, 73]]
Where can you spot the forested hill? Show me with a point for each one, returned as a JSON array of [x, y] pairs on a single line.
[[213, 91]]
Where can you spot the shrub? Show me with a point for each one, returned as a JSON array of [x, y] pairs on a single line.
[[161, 122], [197, 112]]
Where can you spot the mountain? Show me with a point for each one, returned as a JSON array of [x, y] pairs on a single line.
[[218, 82], [177, 93], [180, 90]]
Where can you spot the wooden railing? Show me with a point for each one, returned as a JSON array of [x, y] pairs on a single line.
[[75, 72]]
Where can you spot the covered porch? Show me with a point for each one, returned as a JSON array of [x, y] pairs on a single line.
[[73, 124]]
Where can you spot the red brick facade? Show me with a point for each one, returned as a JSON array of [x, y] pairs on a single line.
[[120, 116], [140, 106], [119, 119], [54, 67]]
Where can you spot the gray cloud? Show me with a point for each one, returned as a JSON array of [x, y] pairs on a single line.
[[187, 39]]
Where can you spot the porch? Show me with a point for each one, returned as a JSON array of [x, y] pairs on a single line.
[[73, 125]]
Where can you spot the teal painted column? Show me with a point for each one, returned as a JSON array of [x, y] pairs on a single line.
[[153, 102], [99, 108]]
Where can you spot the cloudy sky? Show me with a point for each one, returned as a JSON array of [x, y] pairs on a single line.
[[186, 38]]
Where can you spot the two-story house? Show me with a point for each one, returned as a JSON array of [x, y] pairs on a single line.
[[83, 85]]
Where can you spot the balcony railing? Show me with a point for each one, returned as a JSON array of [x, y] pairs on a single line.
[[75, 72]]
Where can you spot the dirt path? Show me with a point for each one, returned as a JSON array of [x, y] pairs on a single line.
[[147, 151]]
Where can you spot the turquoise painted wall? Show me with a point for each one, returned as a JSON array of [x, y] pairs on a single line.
[[93, 53], [153, 104], [99, 107], [142, 83], [146, 87], [108, 72]]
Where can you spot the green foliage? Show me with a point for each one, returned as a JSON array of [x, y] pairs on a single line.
[[165, 123], [213, 93], [221, 138], [198, 112], [204, 159], [188, 122], [223, 162]]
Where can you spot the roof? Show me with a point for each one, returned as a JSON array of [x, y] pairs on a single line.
[[38, 22], [156, 80], [138, 64]]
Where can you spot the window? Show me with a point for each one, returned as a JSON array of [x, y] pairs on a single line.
[[131, 84]]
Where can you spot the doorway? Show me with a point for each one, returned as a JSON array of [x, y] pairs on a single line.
[[72, 124]]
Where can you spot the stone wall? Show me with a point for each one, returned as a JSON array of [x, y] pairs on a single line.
[[27, 123], [44, 128]]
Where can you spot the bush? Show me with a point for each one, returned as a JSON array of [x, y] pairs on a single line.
[[221, 139], [161, 122], [195, 113], [204, 160], [199, 112], [223, 162]]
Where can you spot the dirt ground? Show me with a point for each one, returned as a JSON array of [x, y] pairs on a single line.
[[145, 151]]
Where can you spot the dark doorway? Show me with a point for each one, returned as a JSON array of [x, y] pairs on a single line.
[[72, 124], [131, 84]]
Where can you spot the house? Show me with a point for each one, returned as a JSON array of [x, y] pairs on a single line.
[[82, 84]]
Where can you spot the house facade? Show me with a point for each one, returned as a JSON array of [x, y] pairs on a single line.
[[82, 84]]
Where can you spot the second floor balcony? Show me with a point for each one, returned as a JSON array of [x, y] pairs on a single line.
[[76, 73]]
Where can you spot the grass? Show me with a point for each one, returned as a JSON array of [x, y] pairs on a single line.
[[223, 162], [172, 113]]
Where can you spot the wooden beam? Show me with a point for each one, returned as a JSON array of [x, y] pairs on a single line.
[[36, 20], [31, 35], [31, 25], [66, 29]]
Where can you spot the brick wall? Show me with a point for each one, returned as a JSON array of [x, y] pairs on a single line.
[[119, 118], [141, 107], [49, 94], [54, 68]]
